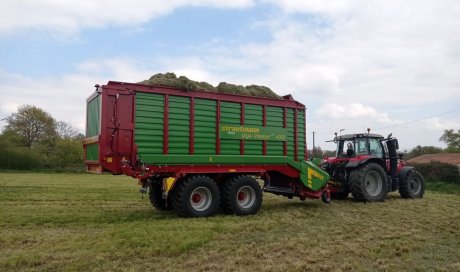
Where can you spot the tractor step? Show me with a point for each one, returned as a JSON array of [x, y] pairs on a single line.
[[278, 190]]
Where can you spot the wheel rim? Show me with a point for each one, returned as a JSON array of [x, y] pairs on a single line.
[[201, 199], [246, 197], [415, 185], [373, 183]]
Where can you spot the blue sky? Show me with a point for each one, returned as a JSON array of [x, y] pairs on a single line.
[[354, 64]]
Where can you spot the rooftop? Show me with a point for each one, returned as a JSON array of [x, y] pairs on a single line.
[[452, 158]]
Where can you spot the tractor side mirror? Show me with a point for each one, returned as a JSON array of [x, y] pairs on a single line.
[[396, 143]]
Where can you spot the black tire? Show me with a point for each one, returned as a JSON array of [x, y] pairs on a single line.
[[241, 195], [369, 183], [413, 186], [196, 196], [326, 197], [155, 195]]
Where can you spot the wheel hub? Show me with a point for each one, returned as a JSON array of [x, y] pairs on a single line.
[[246, 197], [201, 199], [415, 185], [373, 183], [241, 196], [196, 198]]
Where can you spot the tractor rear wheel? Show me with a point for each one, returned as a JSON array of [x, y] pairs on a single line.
[[413, 186], [241, 195], [196, 196], [369, 183]]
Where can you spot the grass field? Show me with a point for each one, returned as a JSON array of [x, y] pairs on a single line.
[[82, 222]]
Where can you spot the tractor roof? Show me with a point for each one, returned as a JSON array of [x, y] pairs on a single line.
[[358, 135]]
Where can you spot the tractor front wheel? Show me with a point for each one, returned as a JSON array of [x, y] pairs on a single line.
[[413, 186], [241, 195], [369, 183], [196, 196]]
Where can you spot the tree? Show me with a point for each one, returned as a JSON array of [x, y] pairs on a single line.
[[452, 139], [66, 131], [315, 153], [32, 124], [420, 150]]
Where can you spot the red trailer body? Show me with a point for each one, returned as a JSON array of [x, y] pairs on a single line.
[[117, 150]]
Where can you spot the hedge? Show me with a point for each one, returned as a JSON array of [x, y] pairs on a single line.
[[439, 171]]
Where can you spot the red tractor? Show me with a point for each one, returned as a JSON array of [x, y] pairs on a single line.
[[368, 166]]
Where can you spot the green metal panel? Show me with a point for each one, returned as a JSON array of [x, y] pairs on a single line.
[[312, 176], [301, 134], [275, 120], [149, 124], [149, 131], [179, 125], [253, 116], [290, 129], [93, 115], [230, 113], [205, 127], [92, 152]]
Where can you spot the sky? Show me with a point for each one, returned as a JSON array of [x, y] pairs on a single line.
[[392, 66]]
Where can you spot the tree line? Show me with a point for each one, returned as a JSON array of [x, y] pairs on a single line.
[[33, 139]]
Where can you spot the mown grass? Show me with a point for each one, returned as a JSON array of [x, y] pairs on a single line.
[[80, 222]]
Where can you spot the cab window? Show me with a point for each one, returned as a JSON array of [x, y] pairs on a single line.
[[361, 147], [375, 148]]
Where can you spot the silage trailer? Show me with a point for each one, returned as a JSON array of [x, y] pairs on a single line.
[[196, 151]]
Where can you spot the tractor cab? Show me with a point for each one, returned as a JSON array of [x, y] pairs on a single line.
[[353, 145]]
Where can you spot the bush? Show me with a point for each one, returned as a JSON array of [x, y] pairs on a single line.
[[439, 171], [15, 156], [67, 152]]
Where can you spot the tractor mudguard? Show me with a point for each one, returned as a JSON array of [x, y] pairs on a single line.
[[403, 173], [356, 163]]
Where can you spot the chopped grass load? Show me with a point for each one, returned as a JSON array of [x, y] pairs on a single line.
[[186, 84]]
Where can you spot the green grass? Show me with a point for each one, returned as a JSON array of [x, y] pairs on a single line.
[[82, 222], [442, 186]]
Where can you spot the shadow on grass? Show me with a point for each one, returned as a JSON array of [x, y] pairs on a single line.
[[292, 203]]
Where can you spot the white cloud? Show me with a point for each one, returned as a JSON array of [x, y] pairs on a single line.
[[351, 111], [65, 97], [437, 124], [67, 17], [354, 64], [315, 6]]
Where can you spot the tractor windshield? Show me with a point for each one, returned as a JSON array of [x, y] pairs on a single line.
[[371, 146], [359, 146]]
